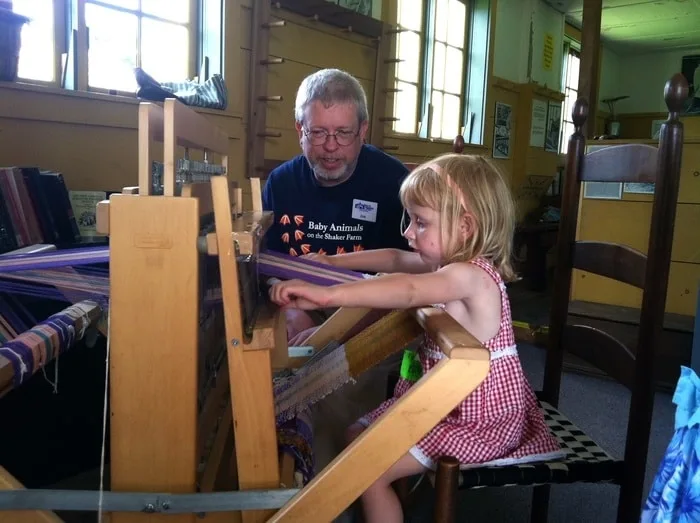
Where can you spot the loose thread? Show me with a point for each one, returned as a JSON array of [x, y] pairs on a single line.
[[104, 426]]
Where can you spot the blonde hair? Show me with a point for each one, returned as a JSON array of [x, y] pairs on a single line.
[[453, 184]]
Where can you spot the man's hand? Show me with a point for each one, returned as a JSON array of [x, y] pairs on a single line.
[[299, 295]]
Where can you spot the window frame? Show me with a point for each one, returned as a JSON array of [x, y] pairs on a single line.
[[424, 111], [571, 48], [425, 106]]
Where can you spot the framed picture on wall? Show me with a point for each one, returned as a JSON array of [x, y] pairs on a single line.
[[501, 130], [551, 141], [602, 190], [364, 7], [639, 188]]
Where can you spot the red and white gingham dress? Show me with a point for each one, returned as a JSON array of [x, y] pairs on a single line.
[[500, 423]]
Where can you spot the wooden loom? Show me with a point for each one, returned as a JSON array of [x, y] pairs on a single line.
[[174, 415]]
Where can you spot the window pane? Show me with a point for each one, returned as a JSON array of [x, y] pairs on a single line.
[[112, 54], [567, 130], [456, 20], [36, 55], [410, 17], [453, 70], [573, 74], [164, 50], [441, 20], [436, 124], [127, 4], [175, 10], [408, 49], [405, 108], [450, 117], [439, 66], [569, 103]]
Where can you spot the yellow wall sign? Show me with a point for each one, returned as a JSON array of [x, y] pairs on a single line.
[[548, 52]]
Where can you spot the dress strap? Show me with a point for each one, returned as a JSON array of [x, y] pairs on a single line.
[[490, 269]]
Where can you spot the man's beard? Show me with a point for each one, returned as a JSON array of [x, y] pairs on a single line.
[[337, 175]]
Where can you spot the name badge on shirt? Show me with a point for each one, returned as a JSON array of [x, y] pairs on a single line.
[[364, 210]]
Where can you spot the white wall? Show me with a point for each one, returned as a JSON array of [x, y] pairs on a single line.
[[610, 81], [511, 41], [512, 52], [547, 21], [642, 77]]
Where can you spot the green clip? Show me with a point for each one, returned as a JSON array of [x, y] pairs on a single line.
[[411, 369]]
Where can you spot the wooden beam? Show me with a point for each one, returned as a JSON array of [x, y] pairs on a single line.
[[590, 53]]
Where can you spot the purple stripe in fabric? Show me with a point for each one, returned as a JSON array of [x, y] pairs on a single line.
[[9, 314], [62, 258]]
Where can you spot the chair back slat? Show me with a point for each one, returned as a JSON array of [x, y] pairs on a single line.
[[628, 163], [611, 260], [602, 351]]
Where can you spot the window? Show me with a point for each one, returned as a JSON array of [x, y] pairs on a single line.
[[572, 60], [37, 51], [408, 74], [124, 34], [447, 78], [439, 60], [96, 44]]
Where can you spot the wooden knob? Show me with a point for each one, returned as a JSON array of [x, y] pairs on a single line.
[[579, 113], [676, 93], [458, 144]]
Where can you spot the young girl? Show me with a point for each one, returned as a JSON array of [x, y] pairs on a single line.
[[461, 229]]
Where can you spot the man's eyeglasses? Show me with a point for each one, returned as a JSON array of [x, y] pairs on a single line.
[[319, 136]]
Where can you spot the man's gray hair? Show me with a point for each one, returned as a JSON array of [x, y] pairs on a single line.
[[331, 86]]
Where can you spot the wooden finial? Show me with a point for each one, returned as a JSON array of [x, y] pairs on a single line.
[[676, 93], [579, 113], [458, 144]]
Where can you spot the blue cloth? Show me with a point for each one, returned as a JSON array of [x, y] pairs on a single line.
[[360, 214], [674, 496]]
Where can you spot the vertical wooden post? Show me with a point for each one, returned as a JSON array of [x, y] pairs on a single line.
[[257, 86], [154, 310], [250, 376], [381, 82], [590, 54]]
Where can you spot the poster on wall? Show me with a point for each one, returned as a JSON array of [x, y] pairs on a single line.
[[539, 123], [501, 131], [551, 142], [548, 52]]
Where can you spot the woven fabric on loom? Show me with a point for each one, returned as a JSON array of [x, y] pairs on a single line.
[[311, 383], [29, 352], [295, 437]]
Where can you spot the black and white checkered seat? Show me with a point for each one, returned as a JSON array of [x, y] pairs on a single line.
[[585, 462]]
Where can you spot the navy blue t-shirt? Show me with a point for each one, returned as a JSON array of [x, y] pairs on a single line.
[[362, 213]]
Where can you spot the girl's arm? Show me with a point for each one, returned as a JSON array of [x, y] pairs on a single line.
[[456, 281], [377, 260]]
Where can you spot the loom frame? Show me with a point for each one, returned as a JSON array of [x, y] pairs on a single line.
[[156, 431]]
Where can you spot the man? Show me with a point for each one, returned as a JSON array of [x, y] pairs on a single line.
[[340, 195]]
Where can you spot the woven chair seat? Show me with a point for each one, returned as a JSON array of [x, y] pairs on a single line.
[[586, 462]]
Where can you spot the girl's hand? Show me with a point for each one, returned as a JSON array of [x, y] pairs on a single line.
[[300, 295], [319, 258]]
